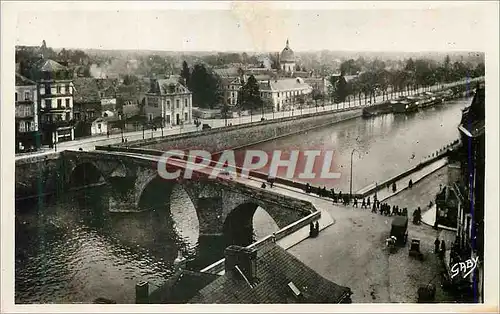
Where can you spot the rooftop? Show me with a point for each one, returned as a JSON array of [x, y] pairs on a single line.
[[287, 54], [23, 81], [51, 66], [285, 84], [281, 278]]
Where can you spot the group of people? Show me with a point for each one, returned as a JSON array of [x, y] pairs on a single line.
[[439, 247], [313, 229]]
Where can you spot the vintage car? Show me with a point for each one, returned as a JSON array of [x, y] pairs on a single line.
[[399, 229]]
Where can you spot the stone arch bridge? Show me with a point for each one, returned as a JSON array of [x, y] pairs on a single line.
[[224, 207]]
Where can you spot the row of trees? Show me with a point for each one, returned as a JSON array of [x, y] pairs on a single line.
[[377, 79]]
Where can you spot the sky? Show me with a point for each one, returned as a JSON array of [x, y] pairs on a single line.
[[264, 26]]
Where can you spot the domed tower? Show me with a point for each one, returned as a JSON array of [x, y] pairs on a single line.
[[287, 59]]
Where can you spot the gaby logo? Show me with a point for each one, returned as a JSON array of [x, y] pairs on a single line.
[[466, 268], [308, 164]]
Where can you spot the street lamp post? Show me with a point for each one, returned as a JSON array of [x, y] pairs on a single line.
[[121, 127], [350, 181]]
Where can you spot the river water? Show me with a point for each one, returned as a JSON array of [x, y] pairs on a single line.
[[71, 249]]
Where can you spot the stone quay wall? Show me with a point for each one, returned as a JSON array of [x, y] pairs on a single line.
[[244, 135]]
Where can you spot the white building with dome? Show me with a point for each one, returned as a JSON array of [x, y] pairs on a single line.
[[287, 59]]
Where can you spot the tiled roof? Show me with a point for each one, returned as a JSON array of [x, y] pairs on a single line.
[[86, 90], [473, 117], [276, 268], [181, 287], [135, 91], [51, 66], [285, 84], [23, 81], [170, 85]]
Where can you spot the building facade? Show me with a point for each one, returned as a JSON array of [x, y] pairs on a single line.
[[55, 91], [467, 184], [28, 136], [285, 94], [470, 189], [169, 102]]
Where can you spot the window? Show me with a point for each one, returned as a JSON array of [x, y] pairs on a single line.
[[232, 94], [47, 89], [67, 103], [27, 95], [27, 126], [185, 102], [48, 103], [177, 103], [99, 126], [21, 127], [58, 87], [67, 116], [168, 119], [16, 96], [185, 116], [59, 103]]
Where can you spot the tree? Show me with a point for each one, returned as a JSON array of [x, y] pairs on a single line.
[[130, 79], [339, 88], [185, 73], [249, 95], [205, 86]]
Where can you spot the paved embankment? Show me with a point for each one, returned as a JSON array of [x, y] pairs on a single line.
[[352, 251]]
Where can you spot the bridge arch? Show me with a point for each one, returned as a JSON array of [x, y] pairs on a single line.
[[239, 224], [172, 205], [85, 173]]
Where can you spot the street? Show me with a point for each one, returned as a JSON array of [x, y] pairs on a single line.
[[90, 142], [352, 251]]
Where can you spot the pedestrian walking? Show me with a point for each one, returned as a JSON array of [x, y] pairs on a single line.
[[363, 204], [436, 245], [355, 202], [333, 192], [368, 202], [394, 187], [374, 207], [443, 249]]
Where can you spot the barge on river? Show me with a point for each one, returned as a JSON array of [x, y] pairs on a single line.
[[377, 109], [406, 105]]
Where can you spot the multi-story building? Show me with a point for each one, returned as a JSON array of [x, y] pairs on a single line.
[[55, 91], [470, 189], [466, 182], [169, 101], [27, 132], [285, 94]]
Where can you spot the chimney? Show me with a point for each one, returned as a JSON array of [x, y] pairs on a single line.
[[244, 258]]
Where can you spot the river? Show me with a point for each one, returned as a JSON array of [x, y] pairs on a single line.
[[71, 249]]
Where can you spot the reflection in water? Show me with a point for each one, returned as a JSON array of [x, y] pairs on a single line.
[[387, 144], [74, 250]]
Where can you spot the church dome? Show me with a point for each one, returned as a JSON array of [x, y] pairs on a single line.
[[287, 54]]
